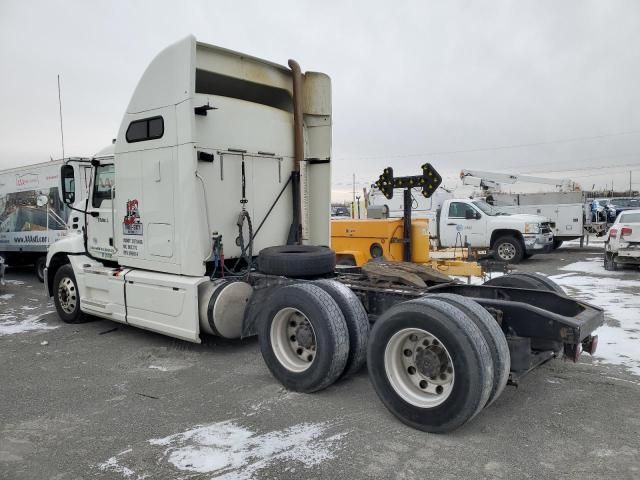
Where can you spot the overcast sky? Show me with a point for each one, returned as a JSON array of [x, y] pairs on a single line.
[[551, 87]]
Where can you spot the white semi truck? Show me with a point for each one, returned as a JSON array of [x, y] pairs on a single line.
[[220, 156], [33, 213]]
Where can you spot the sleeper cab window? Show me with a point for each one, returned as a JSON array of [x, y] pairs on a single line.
[[145, 129]]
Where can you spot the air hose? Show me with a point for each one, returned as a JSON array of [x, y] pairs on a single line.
[[246, 247]]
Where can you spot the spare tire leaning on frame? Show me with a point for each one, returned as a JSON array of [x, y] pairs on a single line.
[[297, 261]]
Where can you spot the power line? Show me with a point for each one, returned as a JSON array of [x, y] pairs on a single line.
[[499, 147], [588, 159], [582, 169]]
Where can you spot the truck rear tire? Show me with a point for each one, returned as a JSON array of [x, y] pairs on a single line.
[[537, 282], [493, 334], [508, 249], [304, 338], [526, 280], [297, 261], [430, 365], [66, 296], [557, 243], [41, 262], [610, 262], [357, 323]]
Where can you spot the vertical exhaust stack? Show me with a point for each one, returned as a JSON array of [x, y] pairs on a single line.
[[295, 231]]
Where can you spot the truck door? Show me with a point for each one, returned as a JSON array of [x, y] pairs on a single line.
[[461, 223], [100, 231]]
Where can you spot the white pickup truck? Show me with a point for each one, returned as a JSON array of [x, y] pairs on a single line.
[[477, 224], [467, 222]]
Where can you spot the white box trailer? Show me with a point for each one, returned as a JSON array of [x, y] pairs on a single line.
[[33, 214]]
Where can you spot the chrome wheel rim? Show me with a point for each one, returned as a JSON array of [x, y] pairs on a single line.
[[419, 367], [293, 340], [506, 251], [67, 295]]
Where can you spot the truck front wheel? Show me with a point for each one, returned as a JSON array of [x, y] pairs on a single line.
[[66, 295], [508, 249]]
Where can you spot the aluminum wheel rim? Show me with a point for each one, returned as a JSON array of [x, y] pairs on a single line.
[[406, 372], [67, 295], [293, 340], [506, 251]]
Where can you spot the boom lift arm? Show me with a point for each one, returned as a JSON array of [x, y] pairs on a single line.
[[491, 180]]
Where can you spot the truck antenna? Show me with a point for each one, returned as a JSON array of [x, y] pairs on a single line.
[[60, 109]]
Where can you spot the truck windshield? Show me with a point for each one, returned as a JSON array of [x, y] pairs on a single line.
[[488, 209]]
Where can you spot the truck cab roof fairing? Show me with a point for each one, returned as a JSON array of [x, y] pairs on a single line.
[[168, 80]]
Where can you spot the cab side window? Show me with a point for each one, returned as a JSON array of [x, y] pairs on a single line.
[[145, 129], [459, 210], [103, 181]]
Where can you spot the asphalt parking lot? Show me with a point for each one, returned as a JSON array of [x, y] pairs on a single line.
[[103, 400]]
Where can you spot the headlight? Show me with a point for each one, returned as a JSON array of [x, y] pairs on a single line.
[[531, 228]]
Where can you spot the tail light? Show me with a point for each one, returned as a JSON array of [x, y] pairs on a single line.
[[612, 233], [626, 231]]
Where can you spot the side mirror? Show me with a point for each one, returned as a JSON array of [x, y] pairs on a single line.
[[68, 182], [470, 215]]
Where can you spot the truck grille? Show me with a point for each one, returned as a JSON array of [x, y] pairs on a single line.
[[545, 227]]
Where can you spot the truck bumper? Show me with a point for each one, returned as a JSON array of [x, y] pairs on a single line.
[[538, 243], [628, 255]]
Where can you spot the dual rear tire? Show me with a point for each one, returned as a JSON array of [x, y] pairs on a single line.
[[437, 361], [312, 334]]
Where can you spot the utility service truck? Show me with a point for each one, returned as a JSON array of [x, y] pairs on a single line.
[[463, 222], [33, 213], [210, 214], [565, 209]]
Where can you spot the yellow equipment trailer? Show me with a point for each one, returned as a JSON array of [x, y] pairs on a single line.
[[358, 241]]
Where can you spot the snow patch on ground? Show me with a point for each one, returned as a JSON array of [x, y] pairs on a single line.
[[12, 324], [590, 265], [7, 296], [156, 367], [112, 465], [227, 450], [618, 341]]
